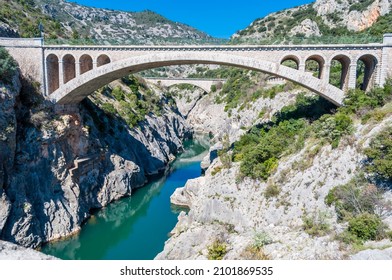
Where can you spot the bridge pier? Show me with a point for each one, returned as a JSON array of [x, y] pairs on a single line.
[[352, 76], [326, 72], [61, 72]]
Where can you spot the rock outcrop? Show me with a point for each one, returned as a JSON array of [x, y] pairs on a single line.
[[10, 251], [315, 20]]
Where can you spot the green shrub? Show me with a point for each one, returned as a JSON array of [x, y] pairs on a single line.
[[213, 88], [8, 66], [316, 224], [379, 155], [355, 198], [365, 226], [260, 160], [118, 93], [217, 250], [109, 108], [261, 239], [271, 190], [333, 127]]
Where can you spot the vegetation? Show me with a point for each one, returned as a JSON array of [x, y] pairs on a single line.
[[316, 224], [25, 17], [8, 66], [379, 155], [261, 239], [133, 102], [217, 250], [259, 150], [365, 226], [271, 190], [361, 205]]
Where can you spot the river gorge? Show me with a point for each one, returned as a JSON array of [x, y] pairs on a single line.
[[134, 228]]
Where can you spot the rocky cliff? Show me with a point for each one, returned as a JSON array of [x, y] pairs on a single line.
[[257, 219], [55, 168], [320, 19]]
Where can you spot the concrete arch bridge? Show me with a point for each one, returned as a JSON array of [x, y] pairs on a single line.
[[70, 73]]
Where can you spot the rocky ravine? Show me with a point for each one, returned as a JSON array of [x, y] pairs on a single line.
[[231, 211], [236, 212], [55, 168]]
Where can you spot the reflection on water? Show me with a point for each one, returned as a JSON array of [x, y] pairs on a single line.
[[135, 227]]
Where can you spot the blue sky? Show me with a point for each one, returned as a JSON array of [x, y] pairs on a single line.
[[219, 18]]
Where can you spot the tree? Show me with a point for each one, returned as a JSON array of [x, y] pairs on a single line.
[[8, 66]]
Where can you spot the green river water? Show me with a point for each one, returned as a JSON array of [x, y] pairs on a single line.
[[133, 228]]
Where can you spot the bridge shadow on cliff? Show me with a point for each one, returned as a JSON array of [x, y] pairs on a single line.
[[310, 108], [113, 130]]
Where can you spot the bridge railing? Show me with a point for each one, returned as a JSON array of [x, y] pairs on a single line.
[[114, 42], [299, 40], [280, 40]]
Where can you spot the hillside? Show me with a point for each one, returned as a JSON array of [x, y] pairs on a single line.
[[340, 21], [66, 20]]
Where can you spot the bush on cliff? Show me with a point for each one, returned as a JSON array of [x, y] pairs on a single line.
[[379, 156], [8, 66]]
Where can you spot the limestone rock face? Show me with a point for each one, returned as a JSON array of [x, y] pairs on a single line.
[[235, 211], [307, 27], [10, 251], [55, 168], [354, 15], [355, 19]]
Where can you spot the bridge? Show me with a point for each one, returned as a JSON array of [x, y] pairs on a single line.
[[204, 84], [68, 74]]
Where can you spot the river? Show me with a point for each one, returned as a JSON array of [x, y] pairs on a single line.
[[136, 227]]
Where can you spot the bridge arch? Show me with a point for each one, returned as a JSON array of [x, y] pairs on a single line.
[[320, 62], [52, 66], [343, 62], [370, 62], [79, 88], [86, 63], [292, 58], [103, 59], [69, 67]]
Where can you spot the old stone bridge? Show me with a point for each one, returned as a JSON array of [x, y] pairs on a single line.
[[70, 73]]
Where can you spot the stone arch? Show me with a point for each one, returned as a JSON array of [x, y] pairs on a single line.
[[369, 72], [192, 84], [75, 91], [69, 67], [53, 70], [102, 60], [291, 58], [86, 63], [339, 72], [315, 64]]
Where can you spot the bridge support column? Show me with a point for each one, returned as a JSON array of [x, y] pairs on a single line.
[[77, 69], [94, 64], [386, 60], [61, 73], [302, 67], [352, 76], [325, 72]]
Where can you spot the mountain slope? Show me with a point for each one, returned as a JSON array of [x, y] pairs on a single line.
[[66, 20], [322, 21]]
